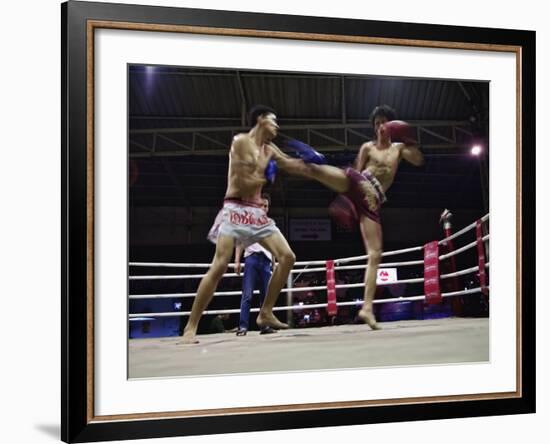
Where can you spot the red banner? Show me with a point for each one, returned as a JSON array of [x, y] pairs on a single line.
[[481, 259], [332, 308], [450, 247], [432, 289]]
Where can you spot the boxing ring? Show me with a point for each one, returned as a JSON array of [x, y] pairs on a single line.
[[407, 342]]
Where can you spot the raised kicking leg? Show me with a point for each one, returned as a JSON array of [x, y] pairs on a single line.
[[332, 177]]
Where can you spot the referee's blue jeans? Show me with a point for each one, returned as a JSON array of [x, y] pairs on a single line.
[[257, 272]]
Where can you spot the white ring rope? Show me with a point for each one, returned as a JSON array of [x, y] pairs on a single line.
[[357, 267], [305, 307], [382, 265], [284, 290], [302, 289], [171, 265], [295, 271], [464, 230], [178, 276], [462, 272], [464, 248], [303, 270], [299, 263], [345, 260]]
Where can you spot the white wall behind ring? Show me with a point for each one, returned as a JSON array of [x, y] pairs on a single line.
[[116, 395]]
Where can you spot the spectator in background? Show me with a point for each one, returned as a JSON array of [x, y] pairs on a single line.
[[257, 273], [217, 324]]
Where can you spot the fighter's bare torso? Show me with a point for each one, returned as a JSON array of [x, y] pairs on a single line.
[[247, 162], [382, 162]]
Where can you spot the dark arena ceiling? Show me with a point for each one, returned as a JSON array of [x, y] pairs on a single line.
[[182, 120]]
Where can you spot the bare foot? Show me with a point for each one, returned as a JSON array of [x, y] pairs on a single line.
[[368, 318], [269, 320], [189, 338]]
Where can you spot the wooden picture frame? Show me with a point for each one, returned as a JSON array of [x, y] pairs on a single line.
[[79, 22]]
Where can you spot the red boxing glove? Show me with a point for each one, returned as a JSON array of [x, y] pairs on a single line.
[[400, 131]]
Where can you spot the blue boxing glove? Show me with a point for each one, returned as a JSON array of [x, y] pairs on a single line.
[[271, 171], [306, 153]]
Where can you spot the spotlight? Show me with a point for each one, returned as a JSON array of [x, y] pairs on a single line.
[[476, 150]]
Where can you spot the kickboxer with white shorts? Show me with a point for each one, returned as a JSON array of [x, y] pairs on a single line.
[[242, 220]]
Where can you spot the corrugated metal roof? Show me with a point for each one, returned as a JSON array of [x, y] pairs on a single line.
[[216, 95], [193, 98]]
